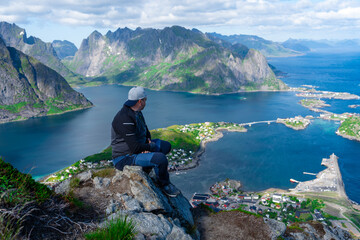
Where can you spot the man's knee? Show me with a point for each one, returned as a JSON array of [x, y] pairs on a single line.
[[159, 159], [165, 147]]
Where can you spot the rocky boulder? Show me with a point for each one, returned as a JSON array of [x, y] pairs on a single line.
[[135, 194], [316, 231]]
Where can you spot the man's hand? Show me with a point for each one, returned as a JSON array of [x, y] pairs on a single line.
[[148, 140], [145, 152]]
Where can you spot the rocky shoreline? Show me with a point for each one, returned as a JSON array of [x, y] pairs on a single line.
[[347, 136], [2, 121], [297, 123]]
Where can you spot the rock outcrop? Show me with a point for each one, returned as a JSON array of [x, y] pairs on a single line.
[[28, 88], [134, 194], [316, 231]]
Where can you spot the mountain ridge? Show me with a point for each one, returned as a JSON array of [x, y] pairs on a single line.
[[28, 88], [266, 47], [16, 37], [173, 58]]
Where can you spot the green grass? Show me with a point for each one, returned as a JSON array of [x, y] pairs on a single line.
[[106, 172], [354, 217], [70, 198], [295, 227], [119, 229], [10, 227], [311, 102], [295, 124], [178, 139], [15, 108], [17, 187], [54, 103], [330, 217], [351, 126], [74, 183], [306, 217], [104, 155], [244, 211]]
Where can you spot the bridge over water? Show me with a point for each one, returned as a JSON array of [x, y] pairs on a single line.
[[258, 122]]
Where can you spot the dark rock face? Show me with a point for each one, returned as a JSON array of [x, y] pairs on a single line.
[[64, 49], [173, 58], [16, 37], [28, 88]]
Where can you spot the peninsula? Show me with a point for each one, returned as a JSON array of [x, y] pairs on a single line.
[[350, 128], [328, 180], [188, 144]]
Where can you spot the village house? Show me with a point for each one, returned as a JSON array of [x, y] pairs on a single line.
[[276, 198]]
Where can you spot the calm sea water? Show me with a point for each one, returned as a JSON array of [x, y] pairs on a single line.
[[266, 156]]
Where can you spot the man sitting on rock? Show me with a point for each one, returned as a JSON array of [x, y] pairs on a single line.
[[132, 144]]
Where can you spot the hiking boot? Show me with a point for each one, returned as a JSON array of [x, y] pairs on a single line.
[[171, 190]]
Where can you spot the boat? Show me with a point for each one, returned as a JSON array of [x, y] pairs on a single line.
[[293, 180]]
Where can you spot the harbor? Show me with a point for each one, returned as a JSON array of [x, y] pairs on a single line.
[[328, 180]]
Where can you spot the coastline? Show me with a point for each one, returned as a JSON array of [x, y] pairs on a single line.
[[47, 115], [197, 155], [347, 136], [178, 91]]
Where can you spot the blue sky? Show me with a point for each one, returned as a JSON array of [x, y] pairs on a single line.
[[275, 20]]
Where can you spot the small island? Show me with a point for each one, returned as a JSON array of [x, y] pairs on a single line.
[[354, 106], [312, 93], [314, 104], [296, 123]]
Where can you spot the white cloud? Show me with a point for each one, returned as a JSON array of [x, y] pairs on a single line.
[[265, 16]]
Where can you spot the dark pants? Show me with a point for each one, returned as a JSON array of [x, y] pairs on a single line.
[[156, 160]]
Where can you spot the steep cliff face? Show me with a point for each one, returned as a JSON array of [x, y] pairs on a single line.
[[173, 58], [28, 88], [16, 37]]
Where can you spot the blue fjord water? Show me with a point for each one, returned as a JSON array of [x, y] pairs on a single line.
[[266, 156]]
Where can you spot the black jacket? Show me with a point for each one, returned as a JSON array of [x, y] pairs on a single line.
[[129, 133]]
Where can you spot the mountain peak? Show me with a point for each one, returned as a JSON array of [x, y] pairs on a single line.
[[173, 58]]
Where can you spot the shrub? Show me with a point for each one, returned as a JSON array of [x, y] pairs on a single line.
[[74, 182], [9, 228], [118, 229], [17, 187], [73, 200], [107, 172]]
